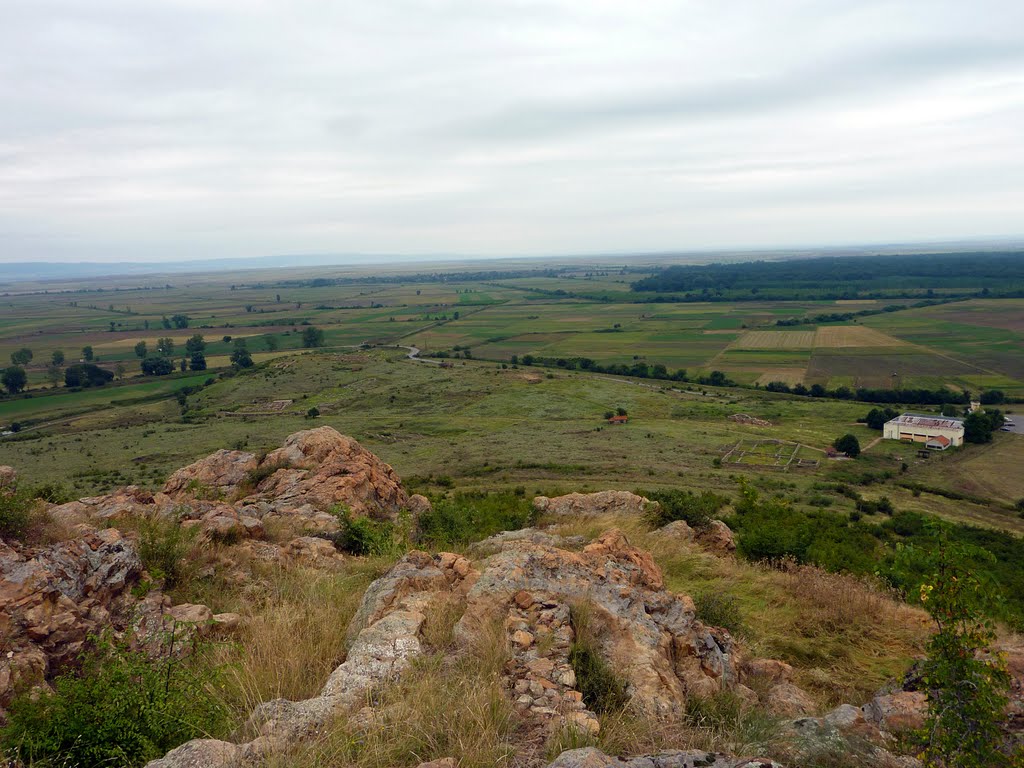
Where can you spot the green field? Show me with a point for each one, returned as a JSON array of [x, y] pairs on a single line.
[[485, 425]]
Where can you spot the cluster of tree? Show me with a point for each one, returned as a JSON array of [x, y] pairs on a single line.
[[979, 426], [423, 277], [240, 356], [14, 379], [175, 321], [908, 396], [848, 444], [312, 337], [877, 417], [836, 277], [161, 365], [22, 356], [87, 375], [842, 317]]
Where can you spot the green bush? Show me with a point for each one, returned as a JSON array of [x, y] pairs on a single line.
[[15, 514], [602, 690], [365, 536], [120, 709], [719, 610], [695, 509], [163, 548], [471, 516]]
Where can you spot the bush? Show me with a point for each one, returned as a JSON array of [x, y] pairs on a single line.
[[602, 690], [467, 517], [163, 548], [695, 509], [15, 514], [365, 536], [120, 709], [719, 610]]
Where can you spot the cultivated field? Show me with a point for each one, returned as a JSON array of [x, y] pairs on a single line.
[[476, 421]]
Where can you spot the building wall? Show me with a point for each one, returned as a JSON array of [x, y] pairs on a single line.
[[919, 434]]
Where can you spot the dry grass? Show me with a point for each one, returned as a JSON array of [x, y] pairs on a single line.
[[293, 632], [442, 707]]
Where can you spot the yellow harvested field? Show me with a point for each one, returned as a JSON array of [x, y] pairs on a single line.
[[775, 340], [790, 376], [854, 336], [856, 301]]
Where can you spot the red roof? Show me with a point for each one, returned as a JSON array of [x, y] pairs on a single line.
[[940, 439], [618, 419]]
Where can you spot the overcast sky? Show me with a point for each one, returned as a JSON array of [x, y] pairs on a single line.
[[160, 129]]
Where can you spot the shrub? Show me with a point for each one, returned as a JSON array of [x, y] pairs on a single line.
[[365, 536], [719, 610], [15, 514], [967, 686], [163, 548], [471, 516], [121, 708], [602, 690], [695, 509]]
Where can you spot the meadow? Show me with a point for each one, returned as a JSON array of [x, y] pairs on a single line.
[[491, 420]]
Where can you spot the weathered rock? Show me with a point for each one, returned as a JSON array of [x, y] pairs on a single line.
[[324, 468], [54, 597], [768, 670], [591, 757], [650, 637], [500, 541], [418, 505], [187, 613], [588, 504], [8, 477], [219, 473], [899, 711], [679, 530], [313, 550], [717, 537], [788, 700]]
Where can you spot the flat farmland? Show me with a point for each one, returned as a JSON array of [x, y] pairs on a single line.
[[775, 340]]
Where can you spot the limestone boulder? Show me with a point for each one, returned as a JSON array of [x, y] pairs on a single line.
[[590, 504], [8, 477]]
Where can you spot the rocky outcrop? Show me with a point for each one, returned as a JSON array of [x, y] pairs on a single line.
[[717, 537], [590, 504], [591, 757], [53, 598], [8, 477], [650, 637], [314, 471]]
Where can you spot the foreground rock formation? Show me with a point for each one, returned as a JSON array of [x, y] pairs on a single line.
[[52, 598]]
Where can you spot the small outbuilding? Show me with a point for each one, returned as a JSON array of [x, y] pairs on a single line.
[[618, 419]]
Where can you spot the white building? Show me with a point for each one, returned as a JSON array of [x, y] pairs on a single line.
[[936, 432]]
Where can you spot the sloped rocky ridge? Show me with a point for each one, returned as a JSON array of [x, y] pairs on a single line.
[[530, 586]]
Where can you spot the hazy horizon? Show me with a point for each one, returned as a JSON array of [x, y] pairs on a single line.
[[185, 131]]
